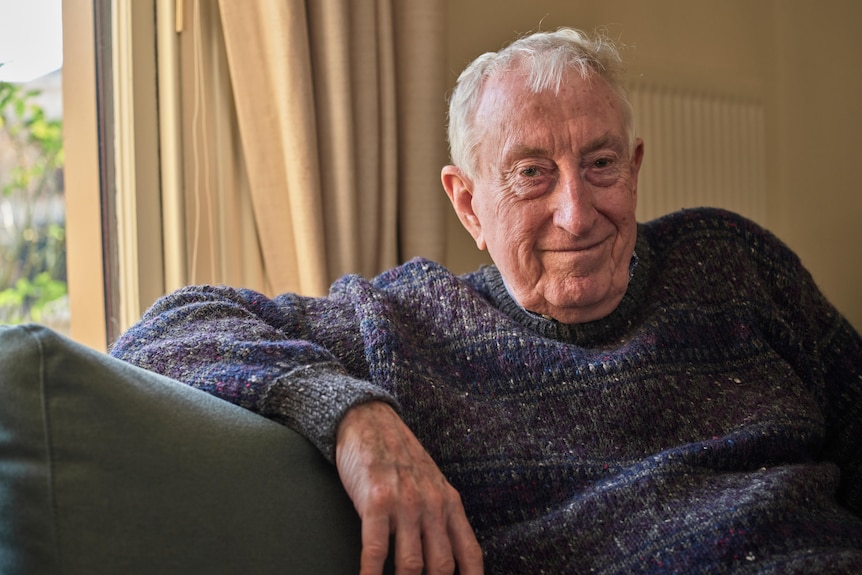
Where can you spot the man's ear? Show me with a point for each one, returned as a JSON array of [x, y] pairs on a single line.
[[459, 188], [636, 161]]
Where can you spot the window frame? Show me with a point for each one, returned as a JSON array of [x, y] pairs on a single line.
[[112, 174]]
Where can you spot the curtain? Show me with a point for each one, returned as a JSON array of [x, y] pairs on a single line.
[[314, 132]]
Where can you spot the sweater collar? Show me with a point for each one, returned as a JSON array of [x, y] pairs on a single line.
[[590, 334]]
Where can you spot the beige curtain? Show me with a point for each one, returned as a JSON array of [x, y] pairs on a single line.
[[313, 139]]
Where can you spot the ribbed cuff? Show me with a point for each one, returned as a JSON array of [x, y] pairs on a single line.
[[312, 399]]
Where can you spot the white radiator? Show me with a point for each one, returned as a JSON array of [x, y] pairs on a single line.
[[701, 149]]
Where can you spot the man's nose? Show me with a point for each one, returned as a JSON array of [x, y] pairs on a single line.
[[575, 209]]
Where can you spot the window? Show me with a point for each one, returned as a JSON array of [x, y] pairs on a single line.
[[33, 282]]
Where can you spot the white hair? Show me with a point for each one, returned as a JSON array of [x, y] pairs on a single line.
[[547, 56]]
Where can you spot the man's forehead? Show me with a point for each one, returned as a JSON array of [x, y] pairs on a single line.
[[516, 121], [508, 97], [520, 148]]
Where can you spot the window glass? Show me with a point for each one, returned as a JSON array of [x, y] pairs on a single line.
[[32, 210]]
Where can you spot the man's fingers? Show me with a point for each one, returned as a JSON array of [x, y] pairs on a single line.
[[468, 553], [437, 548], [375, 545], [449, 540], [409, 559]]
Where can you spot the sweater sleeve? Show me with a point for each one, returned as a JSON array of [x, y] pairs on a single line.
[[841, 358], [826, 350], [249, 350]]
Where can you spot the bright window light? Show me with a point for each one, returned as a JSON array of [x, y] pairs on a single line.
[[31, 39]]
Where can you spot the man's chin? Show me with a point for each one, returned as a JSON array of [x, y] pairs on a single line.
[[582, 305]]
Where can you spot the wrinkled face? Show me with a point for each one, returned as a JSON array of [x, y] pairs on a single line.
[[554, 195]]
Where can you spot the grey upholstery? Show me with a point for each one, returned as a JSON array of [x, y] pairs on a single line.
[[107, 468]]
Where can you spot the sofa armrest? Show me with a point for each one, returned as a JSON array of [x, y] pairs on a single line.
[[108, 468]]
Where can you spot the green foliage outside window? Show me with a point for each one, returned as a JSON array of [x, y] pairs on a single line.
[[32, 216]]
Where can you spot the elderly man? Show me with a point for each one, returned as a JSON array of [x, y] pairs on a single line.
[[608, 397]]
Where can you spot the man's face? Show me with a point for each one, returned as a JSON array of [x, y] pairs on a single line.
[[554, 195]]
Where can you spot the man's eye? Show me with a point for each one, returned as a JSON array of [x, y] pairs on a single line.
[[530, 172], [602, 163]]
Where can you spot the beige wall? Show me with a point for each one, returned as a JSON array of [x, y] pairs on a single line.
[[802, 57]]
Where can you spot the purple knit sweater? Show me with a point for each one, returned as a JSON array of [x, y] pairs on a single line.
[[711, 424]]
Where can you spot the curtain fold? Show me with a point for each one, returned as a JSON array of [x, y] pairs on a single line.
[[220, 227], [270, 69], [336, 109]]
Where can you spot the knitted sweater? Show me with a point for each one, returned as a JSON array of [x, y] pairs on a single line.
[[711, 424]]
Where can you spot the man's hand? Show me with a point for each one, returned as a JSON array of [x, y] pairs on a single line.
[[398, 490]]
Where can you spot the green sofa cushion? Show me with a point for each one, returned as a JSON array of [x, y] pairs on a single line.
[[107, 468]]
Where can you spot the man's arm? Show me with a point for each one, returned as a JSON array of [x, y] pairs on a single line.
[[246, 349], [841, 355]]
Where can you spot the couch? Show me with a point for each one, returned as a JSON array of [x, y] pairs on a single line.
[[108, 468]]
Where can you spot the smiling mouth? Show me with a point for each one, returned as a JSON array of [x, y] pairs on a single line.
[[575, 249]]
